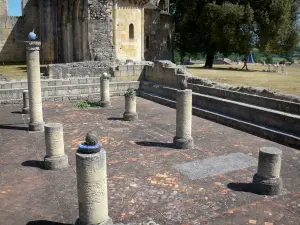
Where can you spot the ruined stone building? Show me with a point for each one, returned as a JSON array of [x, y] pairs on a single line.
[[81, 30]]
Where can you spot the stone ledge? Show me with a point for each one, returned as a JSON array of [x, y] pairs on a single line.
[[271, 134]]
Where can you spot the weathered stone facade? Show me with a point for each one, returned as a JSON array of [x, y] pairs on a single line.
[[159, 30], [88, 30], [14, 30]]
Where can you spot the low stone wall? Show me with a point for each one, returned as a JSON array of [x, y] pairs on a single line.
[[63, 89], [260, 91], [166, 73], [125, 71], [257, 115], [77, 69], [271, 103]]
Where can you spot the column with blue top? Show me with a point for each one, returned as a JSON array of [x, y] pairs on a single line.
[[34, 83], [92, 182]]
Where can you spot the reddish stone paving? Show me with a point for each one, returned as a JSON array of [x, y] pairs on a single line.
[[142, 180]]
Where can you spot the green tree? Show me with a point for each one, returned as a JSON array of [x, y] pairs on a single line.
[[235, 26]]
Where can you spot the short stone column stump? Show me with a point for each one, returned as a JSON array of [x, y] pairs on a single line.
[[55, 153], [92, 182], [130, 113], [267, 180], [183, 138], [105, 95], [25, 109]]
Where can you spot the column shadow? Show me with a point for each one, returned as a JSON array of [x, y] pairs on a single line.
[[12, 127], [17, 112], [115, 118], [46, 222], [155, 144], [34, 163], [242, 187]]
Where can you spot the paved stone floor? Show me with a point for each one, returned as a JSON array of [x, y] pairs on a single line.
[[143, 182]]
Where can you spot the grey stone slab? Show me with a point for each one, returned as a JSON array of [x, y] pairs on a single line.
[[216, 165]]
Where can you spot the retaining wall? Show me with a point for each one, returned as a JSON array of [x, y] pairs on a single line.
[[274, 120], [63, 89], [270, 103], [132, 70], [165, 72]]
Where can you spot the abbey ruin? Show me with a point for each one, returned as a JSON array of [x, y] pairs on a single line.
[[89, 30]]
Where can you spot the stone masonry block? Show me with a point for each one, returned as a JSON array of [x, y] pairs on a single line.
[[74, 81], [66, 82], [6, 86]]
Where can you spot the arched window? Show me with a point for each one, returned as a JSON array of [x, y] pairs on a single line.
[[147, 42], [131, 31]]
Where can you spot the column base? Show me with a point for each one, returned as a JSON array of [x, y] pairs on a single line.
[[25, 110], [105, 103], [272, 186], [36, 126], [183, 143], [130, 116], [108, 222], [56, 162]]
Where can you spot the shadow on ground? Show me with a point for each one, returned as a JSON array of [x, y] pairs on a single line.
[[45, 222], [16, 112], [12, 127], [114, 118], [242, 187], [155, 144], [34, 163]]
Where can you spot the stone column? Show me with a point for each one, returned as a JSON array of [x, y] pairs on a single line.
[[34, 86], [92, 182], [105, 95], [130, 106], [183, 138], [55, 153], [267, 180], [25, 109]]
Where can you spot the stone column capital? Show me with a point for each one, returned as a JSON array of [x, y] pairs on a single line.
[[33, 45]]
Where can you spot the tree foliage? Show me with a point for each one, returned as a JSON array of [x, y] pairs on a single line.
[[235, 26]]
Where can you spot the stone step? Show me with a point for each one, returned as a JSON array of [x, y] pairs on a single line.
[[266, 102], [274, 119], [237, 123]]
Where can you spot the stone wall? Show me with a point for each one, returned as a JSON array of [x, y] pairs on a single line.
[[159, 30], [63, 89], [270, 103], [12, 48], [276, 125], [128, 17], [101, 30], [165, 73], [14, 30], [260, 91], [126, 71]]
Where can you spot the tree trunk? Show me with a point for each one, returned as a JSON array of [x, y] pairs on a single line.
[[182, 55], [209, 59]]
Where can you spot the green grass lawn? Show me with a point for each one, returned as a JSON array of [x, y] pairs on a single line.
[[286, 83], [16, 72]]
